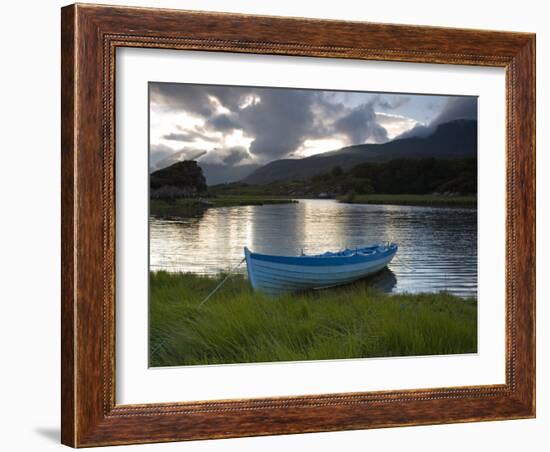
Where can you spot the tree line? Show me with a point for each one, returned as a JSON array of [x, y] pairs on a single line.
[[412, 176]]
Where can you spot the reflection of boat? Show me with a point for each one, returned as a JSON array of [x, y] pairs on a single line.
[[385, 280], [275, 275]]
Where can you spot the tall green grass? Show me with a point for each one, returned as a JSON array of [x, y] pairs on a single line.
[[238, 325]]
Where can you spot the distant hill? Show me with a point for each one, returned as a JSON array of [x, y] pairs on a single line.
[[223, 174], [455, 139], [442, 177]]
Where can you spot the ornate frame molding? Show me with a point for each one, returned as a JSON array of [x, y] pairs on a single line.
[[90, 37]]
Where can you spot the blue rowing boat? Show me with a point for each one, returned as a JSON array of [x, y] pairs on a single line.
[[276, 275]]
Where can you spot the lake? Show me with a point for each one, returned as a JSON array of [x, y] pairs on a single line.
[[437, 245]]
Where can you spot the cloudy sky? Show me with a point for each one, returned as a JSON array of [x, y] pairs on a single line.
[[233, 125]]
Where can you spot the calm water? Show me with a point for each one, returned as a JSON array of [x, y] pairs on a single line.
[[437, 246]]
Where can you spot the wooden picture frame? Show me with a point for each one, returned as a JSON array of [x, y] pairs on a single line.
[[90, 36]]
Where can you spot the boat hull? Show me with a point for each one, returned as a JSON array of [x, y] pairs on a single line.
[[276, 275]]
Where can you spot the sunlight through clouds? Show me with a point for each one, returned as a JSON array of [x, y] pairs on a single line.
[[395, 125], [237, 126]]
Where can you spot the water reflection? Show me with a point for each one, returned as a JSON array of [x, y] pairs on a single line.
[[384, 280], [437, 246]]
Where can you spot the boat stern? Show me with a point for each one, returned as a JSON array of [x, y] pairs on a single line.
[[249, 267]]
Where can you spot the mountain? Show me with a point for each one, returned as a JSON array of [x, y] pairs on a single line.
[[224, 174], [455, 139]]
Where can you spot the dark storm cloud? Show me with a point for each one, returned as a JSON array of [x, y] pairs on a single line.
[[361, 124], [175, 96], [458, 108], [226, 156], [278, 121], [235, 155], [392, 102], [454, 108], [194, 98], [229, 97], [224, 122]]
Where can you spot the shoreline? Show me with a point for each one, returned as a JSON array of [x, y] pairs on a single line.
[[162, 207], [412, 200], [184, 205]]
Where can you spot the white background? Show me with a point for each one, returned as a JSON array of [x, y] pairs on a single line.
[[30, 226], [137, 384]]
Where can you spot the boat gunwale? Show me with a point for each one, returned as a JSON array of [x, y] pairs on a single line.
[[320, 260]]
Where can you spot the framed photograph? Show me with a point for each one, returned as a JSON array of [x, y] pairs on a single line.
[[281, 225]]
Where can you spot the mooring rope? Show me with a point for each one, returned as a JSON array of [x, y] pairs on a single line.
[[221, 283], [397, 258], [169, 336], [159, 345]]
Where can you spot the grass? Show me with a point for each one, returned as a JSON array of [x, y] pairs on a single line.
[[184, 205], [238, 325], [413, 200]]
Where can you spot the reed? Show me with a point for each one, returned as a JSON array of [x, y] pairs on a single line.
[[238, 325]]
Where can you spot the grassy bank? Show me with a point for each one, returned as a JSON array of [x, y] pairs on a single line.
[[238, 325], [412, 200], [183, 205]]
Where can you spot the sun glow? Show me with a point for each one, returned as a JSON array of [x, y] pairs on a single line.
[[249, 100], [319, 146], [394, 124]]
